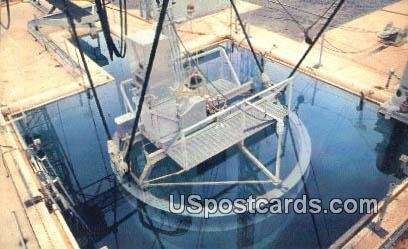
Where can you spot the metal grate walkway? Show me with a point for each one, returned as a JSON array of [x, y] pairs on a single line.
[[224, 133]]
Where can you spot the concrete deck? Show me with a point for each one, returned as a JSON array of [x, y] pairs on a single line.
[[394, 218], [33, 225], [359, 68], [31, 76]]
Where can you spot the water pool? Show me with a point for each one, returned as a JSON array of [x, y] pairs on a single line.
[[354, 155]]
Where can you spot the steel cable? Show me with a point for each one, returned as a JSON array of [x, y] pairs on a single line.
[[88, 74], [149, 68]]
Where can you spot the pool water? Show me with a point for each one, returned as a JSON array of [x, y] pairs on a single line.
[[354, 155]]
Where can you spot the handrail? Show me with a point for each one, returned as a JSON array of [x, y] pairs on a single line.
[[124, 95], [217, 49], [280, 85], [186, 131], [224, 54]]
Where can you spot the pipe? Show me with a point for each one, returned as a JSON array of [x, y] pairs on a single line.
[[253, 159], [279, 131]]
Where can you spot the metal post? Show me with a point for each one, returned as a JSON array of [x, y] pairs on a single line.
[[183, 140], [404, 162], [243, 124], [191, 24], [258, 163], [151, 160], [319, 64], [390, 74], [290, 93], [148, 10], [236, 25], [66, 193], [279, 130], [230, 22], [141, 8]]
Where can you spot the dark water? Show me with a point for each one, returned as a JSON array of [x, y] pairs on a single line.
[[354, 155]]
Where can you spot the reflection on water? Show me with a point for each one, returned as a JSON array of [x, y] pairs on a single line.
[[354, 155], [389, 161]]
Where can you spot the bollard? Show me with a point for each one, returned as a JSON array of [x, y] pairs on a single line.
[[390, 74], [319, 64], [361, 103]]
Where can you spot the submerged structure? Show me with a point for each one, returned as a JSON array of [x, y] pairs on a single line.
[[191, 116]]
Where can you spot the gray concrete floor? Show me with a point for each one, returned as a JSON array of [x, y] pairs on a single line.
[[274, 18]]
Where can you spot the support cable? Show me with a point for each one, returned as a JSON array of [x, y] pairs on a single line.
[[336, 49], [294, 7], [98, 139], [341, 2], [103, 17], [322, 16], [307, 37], [149, 68], [66, 154], [307, 193], [8, 15], [301, 27], [88, 74], [234, 7], [326, 24]]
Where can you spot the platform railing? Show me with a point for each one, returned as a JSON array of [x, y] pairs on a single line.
[[244, 106], [223, 53], [122, 85], [239, 106]]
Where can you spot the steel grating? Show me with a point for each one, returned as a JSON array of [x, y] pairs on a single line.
[[226, 132]]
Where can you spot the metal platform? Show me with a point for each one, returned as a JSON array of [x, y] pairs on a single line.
[[224, 133], [214, 134], [194, 120]]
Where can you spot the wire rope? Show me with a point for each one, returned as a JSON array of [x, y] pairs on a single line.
[[149, 68], [88, 74]]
